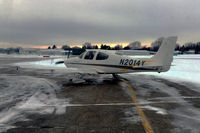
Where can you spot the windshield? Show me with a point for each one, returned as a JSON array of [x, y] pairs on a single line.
[[81, 55]]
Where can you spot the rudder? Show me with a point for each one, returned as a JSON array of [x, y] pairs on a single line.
[[164, 56]]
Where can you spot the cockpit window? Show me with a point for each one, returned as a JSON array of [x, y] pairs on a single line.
[[101, 56], [90, 55], [81, 56]]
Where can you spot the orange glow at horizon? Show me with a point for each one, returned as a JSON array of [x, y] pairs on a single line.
[[111, 44], [146, 44], [44, 47], [40, 47], [123, 44]]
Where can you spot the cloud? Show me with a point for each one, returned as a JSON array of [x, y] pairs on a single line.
[[76, 21]]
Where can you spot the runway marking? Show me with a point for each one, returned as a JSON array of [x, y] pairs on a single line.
[[145, 122], [170, 98], [114, 104]]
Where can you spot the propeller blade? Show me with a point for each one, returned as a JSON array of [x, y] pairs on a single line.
[[68, 53], [59, 62]]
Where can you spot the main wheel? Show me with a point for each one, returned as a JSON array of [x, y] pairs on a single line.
[[115, 76]]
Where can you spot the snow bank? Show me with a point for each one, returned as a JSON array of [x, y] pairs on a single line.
[[43, 64], [27, 56], [184, 68], [158, 110]]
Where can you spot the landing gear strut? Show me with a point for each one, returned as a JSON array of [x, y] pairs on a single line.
[[115, 76]]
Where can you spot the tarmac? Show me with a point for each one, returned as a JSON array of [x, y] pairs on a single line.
[[135, 103]]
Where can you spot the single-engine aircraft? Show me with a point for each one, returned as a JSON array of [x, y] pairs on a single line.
[[108, 62]]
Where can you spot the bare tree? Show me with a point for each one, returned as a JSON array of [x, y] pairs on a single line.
[[135, 45]]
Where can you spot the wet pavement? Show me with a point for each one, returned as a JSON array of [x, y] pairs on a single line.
[[36, 100]]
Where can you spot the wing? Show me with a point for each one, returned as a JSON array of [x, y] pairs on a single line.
[[57, 65]]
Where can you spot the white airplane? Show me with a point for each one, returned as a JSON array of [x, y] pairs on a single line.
[[108, 62]]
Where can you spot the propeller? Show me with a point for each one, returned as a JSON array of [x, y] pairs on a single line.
[[68, 53], [61, 62]]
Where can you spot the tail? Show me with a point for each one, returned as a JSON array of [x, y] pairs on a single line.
[[164, 56]]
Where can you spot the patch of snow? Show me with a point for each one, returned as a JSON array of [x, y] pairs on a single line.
[[156, 109], [131, 116], [22, 95], [186, 116], [50, 63], [28, 56], [184, 68]]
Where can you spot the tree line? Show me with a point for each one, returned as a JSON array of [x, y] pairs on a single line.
[[195, 47]]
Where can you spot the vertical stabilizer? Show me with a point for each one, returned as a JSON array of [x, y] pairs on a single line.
[[164, 56]]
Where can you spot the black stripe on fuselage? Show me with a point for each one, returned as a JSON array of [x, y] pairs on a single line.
[[116, 66]]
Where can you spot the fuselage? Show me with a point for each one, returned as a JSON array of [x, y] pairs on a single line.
[[107, 62]]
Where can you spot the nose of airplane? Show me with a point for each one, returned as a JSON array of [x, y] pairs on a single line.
[[66, 60], [69, 60]]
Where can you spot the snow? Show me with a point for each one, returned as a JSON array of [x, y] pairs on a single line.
[[158, 110], [185, 115], [27, 56], [43, 64], [184, 68], [37, 95], [24, 94]]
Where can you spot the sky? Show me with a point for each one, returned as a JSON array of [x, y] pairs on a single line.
[[36, 23]]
